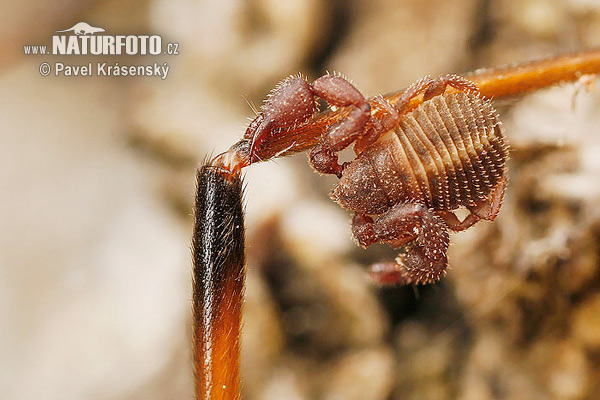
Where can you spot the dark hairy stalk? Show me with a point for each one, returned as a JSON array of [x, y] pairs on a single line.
[[218, 282]]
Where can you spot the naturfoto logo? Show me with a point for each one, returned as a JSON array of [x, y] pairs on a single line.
[[85, 39]]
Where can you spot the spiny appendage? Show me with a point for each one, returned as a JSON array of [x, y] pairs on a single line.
[[289, 104], [411, 267], [454, 146], [422, 235], [293, 102], [339, 92]]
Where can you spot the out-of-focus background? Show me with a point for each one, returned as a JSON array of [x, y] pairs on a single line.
[[97, 177]]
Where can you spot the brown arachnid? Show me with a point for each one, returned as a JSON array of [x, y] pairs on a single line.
[[413, 168], [421, 154]]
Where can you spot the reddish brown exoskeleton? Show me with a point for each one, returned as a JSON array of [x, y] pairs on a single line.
[[421, 153], [413, 167]]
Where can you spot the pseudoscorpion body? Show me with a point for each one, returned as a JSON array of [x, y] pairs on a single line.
[[447, 153], [413, 168]]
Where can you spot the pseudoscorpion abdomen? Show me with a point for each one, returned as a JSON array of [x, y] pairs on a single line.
[[459, 145], [446, 153]]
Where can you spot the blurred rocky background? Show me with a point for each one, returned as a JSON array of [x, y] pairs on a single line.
[[97, 181]]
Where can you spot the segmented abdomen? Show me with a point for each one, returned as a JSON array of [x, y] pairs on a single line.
[[451, 149], [446, 153]]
